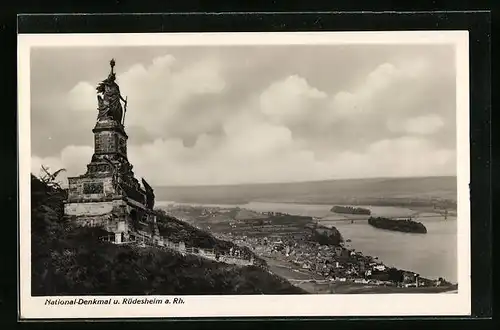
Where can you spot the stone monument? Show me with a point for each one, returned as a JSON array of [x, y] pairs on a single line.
[[108, 194]]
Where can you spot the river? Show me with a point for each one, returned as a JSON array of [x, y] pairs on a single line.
[[432, 255]]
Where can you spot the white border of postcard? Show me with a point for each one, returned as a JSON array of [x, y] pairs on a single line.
[[258, 305]]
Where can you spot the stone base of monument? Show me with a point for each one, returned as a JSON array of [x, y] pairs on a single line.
[[111, 215], [108, 195], [116, 216]]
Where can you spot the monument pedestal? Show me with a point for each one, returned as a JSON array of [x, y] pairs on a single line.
[[108, 195]]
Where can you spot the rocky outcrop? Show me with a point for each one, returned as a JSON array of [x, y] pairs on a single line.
[[327, 236]]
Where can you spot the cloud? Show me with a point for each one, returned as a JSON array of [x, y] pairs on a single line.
[[157, 91], [288, 100], [386, 90], [73, 159], [405, 156], [82, 97], [387, 101], [271, 156], [422, 125], [195, 131]]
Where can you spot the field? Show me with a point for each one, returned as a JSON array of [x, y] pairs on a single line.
[[415, 192], [241, 222]]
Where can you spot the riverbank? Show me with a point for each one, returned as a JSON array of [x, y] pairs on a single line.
[[355, 288], [287, 241], [314, 284]]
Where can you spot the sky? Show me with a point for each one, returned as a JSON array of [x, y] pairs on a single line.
[[210, 115]]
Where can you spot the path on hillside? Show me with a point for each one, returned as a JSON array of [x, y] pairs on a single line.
[[142, 241]]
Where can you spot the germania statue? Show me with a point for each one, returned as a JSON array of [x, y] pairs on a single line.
[[109, 98]]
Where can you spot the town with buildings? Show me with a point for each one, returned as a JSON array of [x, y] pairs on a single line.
[[294, 253]]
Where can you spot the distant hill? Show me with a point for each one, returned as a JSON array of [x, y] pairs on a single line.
[[380, 191]]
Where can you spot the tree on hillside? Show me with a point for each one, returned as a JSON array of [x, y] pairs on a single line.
[[49, 178], [395, 275]]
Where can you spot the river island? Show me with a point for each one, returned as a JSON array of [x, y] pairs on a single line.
[[402, 225], [341, 209]]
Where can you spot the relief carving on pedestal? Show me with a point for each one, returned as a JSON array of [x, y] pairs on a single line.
[[93, 188]]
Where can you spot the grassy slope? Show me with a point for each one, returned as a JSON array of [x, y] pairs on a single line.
[[176, 230], [398, 191], [68, 260]]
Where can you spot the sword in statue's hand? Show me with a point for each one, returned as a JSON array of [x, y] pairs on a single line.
[[125, 110]]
